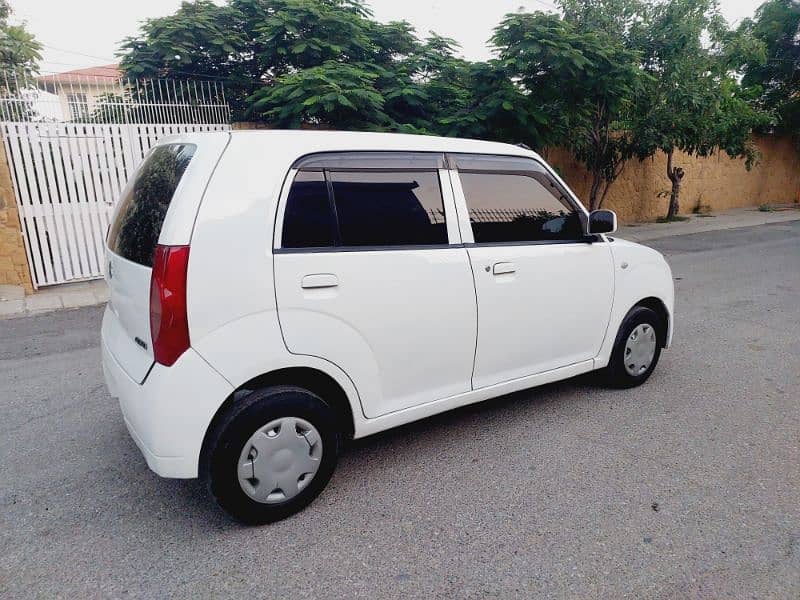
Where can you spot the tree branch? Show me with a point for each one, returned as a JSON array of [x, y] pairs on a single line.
[[670, 172]]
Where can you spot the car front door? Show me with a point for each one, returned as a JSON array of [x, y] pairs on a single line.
[[371, 275], [544, 289]]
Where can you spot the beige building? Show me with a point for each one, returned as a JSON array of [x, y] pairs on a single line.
[[79, 90]]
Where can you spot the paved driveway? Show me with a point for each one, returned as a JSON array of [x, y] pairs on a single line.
[[686, 487]]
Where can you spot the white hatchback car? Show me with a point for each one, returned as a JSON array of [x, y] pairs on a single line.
[[275, 293]]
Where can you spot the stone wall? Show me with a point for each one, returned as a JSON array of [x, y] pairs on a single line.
[[13, 261], [715, 183]]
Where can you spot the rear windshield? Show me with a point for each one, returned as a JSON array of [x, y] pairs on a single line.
[[144, 204]]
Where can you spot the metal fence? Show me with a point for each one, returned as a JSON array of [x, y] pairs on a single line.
[[73, 141], [76, 98]]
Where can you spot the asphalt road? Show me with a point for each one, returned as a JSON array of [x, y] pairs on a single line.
[[687, 487]]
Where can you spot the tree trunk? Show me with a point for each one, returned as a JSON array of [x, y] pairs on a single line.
[[673, 199], [675, 175], [608, 186], [603, 195], [597, 182]]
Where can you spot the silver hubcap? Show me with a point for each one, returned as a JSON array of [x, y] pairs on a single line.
[[640, 348], [280, 460]]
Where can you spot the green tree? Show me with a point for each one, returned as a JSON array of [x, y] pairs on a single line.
[[776, 80], [620, 19], [388, 85], [578, 80], [331, 94], [329, 63], [494, 107], [256, 46], [691, 101], [19, 60], [19, 50]]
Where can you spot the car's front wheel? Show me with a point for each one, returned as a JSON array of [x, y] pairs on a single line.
[[636, 349], [272, 454]]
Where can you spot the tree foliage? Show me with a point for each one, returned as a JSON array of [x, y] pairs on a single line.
[[775, 81], [608, 79], [332, 92], [581, 82], [19, 60], [328, 63], [19, 50]]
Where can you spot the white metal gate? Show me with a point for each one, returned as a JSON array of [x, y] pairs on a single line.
[[67, 175]]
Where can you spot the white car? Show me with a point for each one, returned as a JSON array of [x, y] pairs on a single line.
[[275, 293]]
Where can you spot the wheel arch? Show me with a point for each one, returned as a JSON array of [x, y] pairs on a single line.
[[311, 379], [657, 306]]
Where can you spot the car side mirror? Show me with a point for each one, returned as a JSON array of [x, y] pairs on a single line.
[[602, 221]]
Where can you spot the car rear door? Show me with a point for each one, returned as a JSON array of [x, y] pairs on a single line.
[[544, 289], [370, 275], [157, 206]]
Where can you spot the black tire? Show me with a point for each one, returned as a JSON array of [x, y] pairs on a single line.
[[615, 374], [234, 429]]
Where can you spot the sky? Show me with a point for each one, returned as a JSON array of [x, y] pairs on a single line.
[[83, 33]]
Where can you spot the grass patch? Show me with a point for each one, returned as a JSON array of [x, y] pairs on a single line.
[[766, 208], [671, 220]]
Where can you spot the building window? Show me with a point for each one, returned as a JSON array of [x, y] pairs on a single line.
[[78, 106]]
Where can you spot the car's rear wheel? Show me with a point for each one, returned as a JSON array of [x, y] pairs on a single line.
[[272, 454], [636, 349]]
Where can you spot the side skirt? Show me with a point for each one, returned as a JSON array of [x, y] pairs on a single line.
[[365, 427]]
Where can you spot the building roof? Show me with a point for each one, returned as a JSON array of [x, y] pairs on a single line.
[[102, 75]]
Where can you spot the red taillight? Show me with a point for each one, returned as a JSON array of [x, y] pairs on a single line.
[[169, 327]]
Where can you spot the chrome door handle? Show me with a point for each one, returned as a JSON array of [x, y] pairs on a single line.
[[503, 268], [319, 280]]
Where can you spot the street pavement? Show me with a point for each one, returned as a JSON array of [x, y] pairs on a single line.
[[687, 487]]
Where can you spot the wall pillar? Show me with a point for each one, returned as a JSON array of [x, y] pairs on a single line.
[[14, 268]]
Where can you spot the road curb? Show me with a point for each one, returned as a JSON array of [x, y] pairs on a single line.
[[644, 233]]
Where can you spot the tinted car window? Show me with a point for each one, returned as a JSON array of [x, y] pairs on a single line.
[[521, 206], [376, 208], [144, 203], [308, 221]]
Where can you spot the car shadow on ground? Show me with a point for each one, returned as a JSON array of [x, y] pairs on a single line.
[[190, 501]]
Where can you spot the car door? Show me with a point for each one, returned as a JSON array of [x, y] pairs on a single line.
[[371, 275], [544, 289], [137, 226]]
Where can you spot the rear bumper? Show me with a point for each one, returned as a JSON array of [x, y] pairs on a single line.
[[168, 415]]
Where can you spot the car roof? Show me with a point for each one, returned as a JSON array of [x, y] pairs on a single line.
[[301, 142]]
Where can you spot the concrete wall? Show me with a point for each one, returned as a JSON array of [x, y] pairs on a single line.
[[13, 261], [717, 182]]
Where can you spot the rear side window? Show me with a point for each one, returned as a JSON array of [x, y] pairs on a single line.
[[359, 200], [308, 221], [144, 205], [389, 208]]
